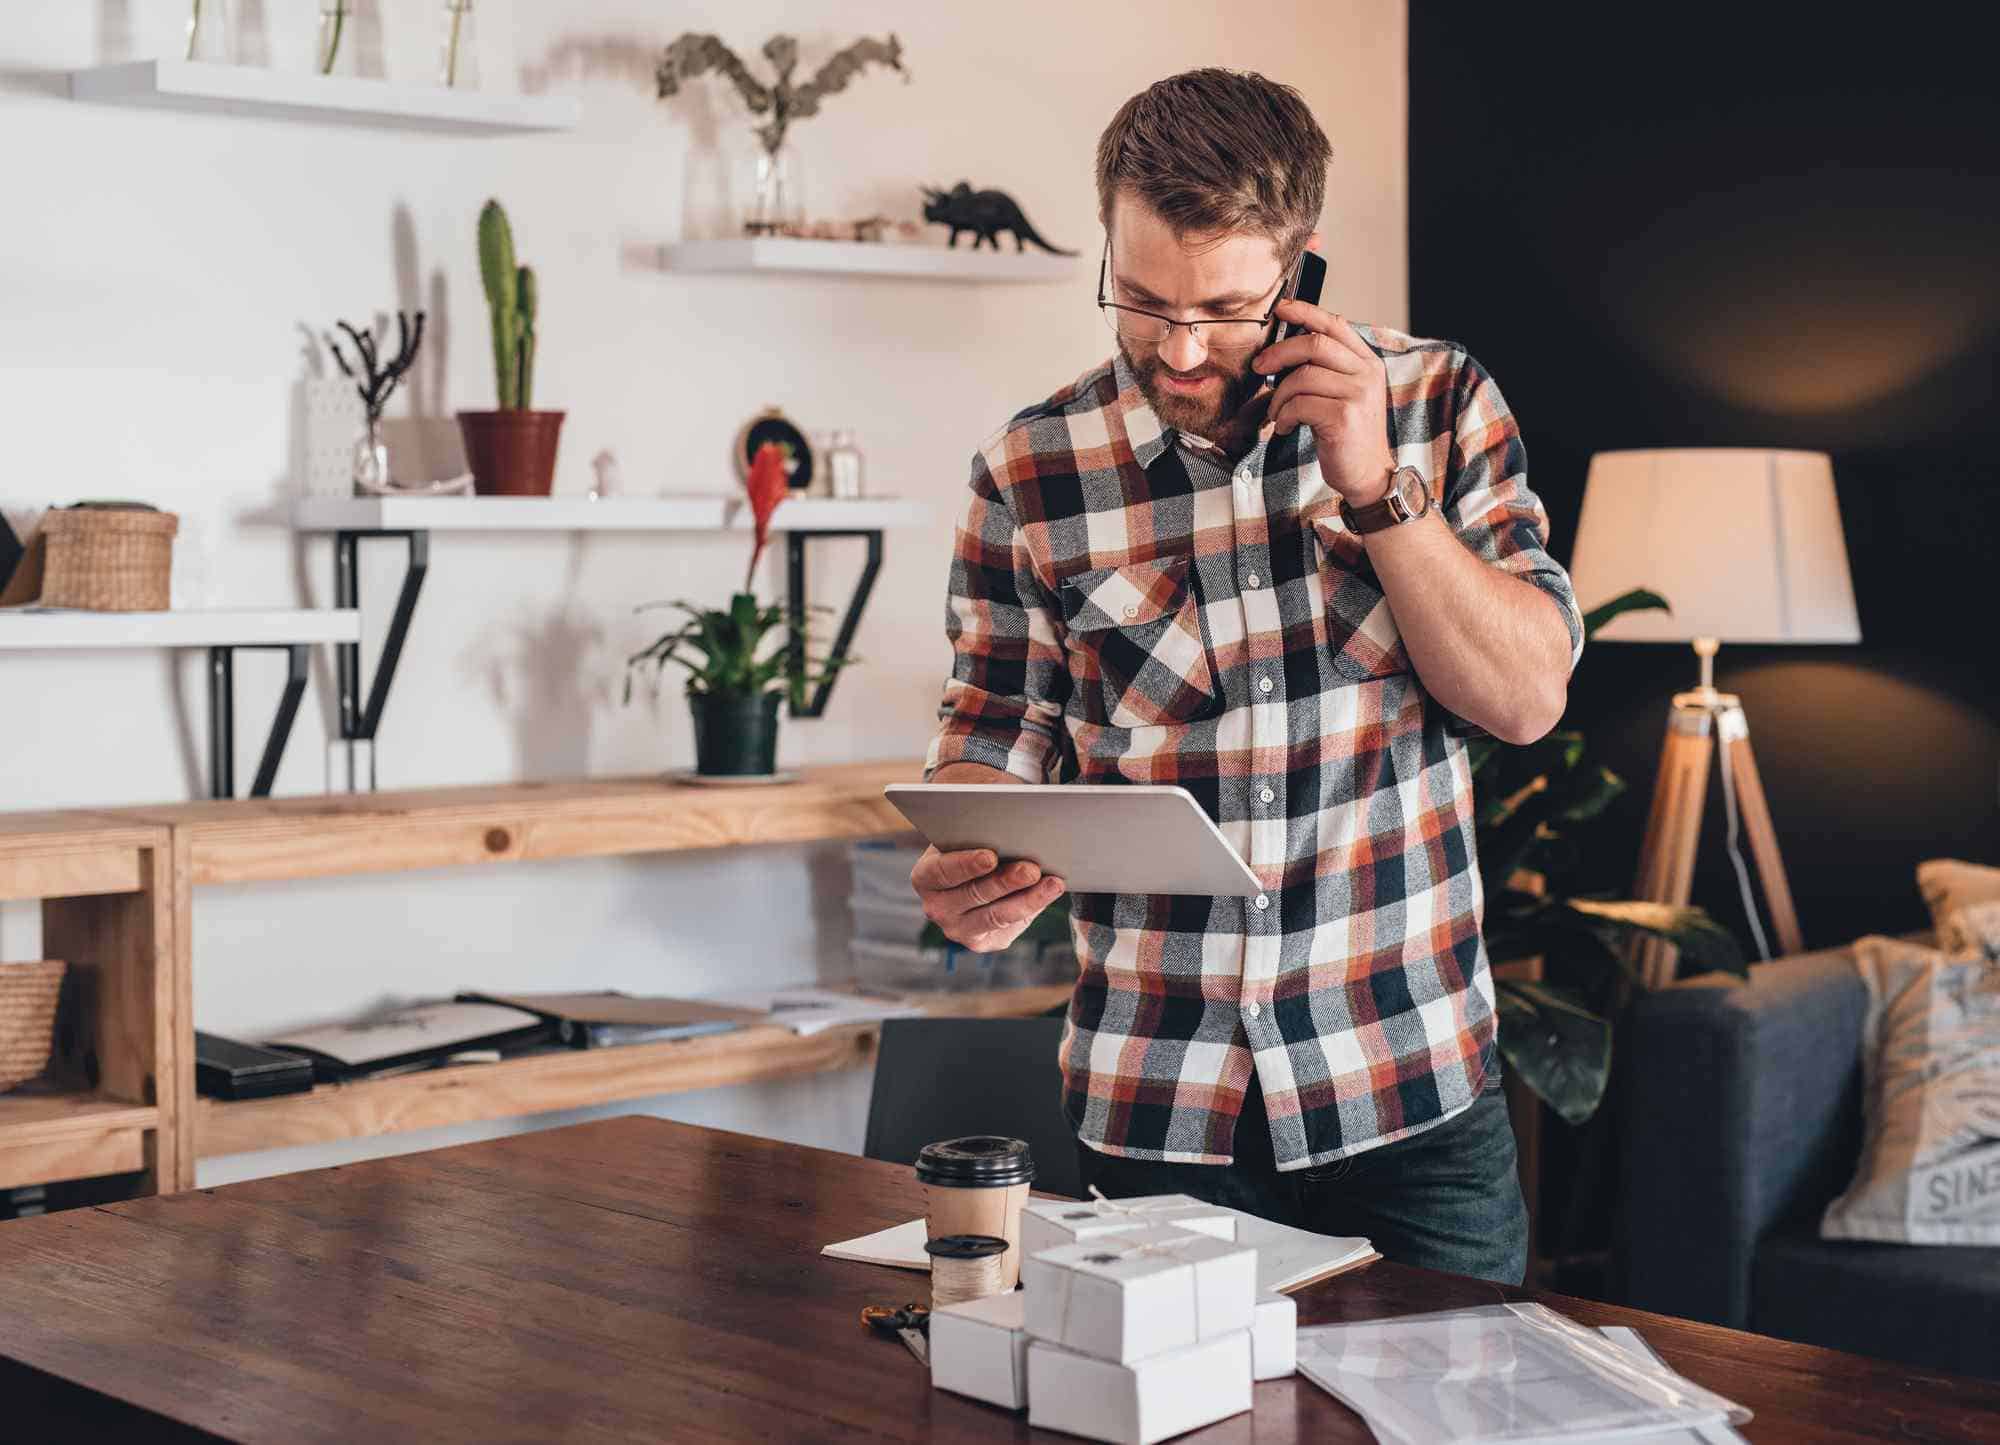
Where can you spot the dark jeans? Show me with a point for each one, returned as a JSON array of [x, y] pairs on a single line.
[[1447, 1198]]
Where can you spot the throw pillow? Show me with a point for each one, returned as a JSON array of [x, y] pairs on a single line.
[[1930, 1157], [1964, 900]]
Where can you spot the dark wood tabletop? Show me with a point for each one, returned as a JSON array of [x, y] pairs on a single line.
[[641, 1280]]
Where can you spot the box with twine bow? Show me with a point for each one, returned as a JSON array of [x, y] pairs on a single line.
[[1129, 1296], [1052, 1223]]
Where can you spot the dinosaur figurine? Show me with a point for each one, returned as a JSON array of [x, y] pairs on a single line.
[[984, 213]]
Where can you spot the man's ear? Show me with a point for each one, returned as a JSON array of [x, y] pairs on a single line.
[[1316, 241]]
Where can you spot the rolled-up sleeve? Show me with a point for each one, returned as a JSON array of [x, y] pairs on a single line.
[[1487, 500], [1004, 703]]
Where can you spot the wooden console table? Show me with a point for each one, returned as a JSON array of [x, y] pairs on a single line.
[[119, 889]]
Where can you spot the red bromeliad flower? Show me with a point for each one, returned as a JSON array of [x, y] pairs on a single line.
[[767, 486]]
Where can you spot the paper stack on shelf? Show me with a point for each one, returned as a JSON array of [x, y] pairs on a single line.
[[811, 1010]]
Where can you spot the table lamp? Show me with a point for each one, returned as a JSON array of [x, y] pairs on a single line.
[[1746, 546]]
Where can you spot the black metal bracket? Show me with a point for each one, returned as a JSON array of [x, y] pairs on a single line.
[[359, 722], [795, 608], [222, 716]]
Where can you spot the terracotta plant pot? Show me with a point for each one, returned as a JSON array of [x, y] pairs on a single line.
[[511, 453], [735, 736]]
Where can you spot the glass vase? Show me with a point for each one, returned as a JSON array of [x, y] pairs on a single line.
[[371, 459], [208, 35], [458, 52], [776, 191]]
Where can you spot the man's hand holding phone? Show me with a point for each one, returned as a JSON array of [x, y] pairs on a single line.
[[977, 903]]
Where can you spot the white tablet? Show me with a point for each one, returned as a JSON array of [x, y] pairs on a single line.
[[1097, 839]]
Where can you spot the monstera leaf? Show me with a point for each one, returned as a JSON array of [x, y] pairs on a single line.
[[1556, 1045]]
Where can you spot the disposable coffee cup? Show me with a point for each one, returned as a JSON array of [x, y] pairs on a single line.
[[977, 1185]]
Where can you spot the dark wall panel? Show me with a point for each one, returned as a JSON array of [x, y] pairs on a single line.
[[1729, 229]]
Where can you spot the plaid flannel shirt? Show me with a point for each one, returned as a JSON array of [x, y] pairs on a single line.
[[1128, 605]]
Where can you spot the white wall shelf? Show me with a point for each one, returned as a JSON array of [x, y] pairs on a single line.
[[580, 514], [868, 258], [291, 631], [23, 630], [254, 90]]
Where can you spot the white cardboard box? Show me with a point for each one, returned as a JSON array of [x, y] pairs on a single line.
[[1139, 1403], [1274, 1337], [1052, 1223], [980, 1348], [1128, 1296]]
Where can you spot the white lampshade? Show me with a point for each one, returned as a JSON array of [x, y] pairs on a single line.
[[1745, 545]]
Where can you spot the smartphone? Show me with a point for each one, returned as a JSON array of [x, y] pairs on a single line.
[[1312, 277]]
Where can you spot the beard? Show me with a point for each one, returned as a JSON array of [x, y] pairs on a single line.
[[1215, 417]]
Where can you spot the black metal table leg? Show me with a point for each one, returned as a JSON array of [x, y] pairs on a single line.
[[795, 609], [281, 725], [360, 721], [222, 722], [222, 716]]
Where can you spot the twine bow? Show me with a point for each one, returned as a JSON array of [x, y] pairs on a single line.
[[1120, 1206], [1115, 1250]]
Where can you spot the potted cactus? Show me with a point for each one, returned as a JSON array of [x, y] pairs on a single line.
[[512, 450]]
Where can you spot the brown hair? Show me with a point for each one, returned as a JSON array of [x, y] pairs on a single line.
[[1215, 151]]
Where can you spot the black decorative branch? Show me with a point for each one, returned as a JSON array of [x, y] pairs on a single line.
[[693, 55], [377, 378]]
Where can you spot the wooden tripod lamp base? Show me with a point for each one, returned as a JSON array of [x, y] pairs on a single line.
[[1699, 722]]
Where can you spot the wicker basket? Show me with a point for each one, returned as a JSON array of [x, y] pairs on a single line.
[[109, 557], [28, 993]]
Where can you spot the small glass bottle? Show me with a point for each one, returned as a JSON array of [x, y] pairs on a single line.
[[458, 54], [843, 465], [208, 36], [371, 459]]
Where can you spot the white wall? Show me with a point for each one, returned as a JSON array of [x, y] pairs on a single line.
[[157, 274]]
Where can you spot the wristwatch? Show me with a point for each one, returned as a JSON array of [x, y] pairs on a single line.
[[1409, 497]]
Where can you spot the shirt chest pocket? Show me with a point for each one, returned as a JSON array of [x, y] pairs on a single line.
[[1361, 633], [1136, 653]]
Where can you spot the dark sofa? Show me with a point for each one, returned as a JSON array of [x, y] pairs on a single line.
[[1743, 1120]]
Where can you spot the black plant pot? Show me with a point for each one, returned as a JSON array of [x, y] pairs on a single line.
[[736, 734]]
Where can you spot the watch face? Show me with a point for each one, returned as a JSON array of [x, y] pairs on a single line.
[[1410, 487]]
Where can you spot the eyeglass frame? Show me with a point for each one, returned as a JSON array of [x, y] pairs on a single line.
[[1288, 281]]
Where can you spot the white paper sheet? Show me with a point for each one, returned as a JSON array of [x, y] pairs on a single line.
[[900, 1247]]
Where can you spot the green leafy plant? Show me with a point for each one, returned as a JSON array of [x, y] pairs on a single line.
[[1536, 805], [512, 300], [744, 649]]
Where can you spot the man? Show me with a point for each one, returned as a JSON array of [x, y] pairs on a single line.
[[1165, 575]]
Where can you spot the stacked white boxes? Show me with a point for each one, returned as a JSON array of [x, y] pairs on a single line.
[[1143, 1322]]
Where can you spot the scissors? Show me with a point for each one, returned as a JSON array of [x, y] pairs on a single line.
[[911, 1324]]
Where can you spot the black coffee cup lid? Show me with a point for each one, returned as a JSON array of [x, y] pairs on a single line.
[[966, 1246], [978, 1161]]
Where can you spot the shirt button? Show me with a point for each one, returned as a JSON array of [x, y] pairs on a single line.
[[1263, 684], [1243, 474], [1131, 612], [1267, 795], [1263, 900], [1251, 1010], [1253, 581]]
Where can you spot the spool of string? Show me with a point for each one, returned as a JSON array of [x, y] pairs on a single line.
[[966, 1267]]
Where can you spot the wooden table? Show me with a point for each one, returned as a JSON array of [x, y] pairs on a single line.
[[641, 1280]]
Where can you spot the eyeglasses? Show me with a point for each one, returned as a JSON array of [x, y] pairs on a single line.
[[1223, 334]]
